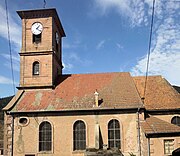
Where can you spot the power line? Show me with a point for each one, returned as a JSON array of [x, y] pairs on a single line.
[[9, 41], [149, 49], [44, 6]]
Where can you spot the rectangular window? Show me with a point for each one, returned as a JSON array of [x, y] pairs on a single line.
[[168, 146], [36, 38]]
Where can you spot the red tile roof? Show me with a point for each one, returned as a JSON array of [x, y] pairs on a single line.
[[159, 93], [153, 125], [116, 90]]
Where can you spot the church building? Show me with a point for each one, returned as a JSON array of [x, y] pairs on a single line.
[[56, 114]]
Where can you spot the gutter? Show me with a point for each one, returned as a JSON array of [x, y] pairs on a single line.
[[139, 135], [162, 111], [130, 110], [162, 134]]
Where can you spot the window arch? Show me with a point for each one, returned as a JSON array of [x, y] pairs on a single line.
[[114, 139], [176, 120], [45, 136], [79, 135], [36, 68]]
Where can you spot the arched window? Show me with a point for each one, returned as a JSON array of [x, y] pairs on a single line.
[[36, 68], [176, 120], [79, 135], [114, 140], [45, 136]]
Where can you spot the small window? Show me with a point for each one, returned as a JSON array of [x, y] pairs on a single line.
[[79, 135], [36, 38], [23, 121], [45, 137], [168, 146], [36, 68], [114, 140], [176, 120]]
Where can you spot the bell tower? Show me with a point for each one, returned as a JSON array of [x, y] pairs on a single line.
[[41, 51]]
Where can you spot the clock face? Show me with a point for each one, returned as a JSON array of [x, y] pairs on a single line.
[[36, 28]]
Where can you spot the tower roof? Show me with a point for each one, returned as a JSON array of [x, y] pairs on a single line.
[[42, 13]]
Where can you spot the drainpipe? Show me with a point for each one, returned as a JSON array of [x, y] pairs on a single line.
[[138, 127], [148, 146]]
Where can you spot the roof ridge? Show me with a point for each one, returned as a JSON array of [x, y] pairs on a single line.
[[97, 73]]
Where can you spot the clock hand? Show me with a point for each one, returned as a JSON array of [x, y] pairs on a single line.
[[38, 27]]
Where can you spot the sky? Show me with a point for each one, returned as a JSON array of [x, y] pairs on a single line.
[[101, 36]]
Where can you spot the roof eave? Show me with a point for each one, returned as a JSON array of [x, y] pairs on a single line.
[[78, 110], [162, 134]]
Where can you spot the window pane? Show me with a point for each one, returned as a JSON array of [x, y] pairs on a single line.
[[111, 144], [110, 125], [117, 134], [118, 144], [110, 134], [116, 124]]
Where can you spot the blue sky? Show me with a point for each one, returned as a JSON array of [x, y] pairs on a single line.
[[102, 36]]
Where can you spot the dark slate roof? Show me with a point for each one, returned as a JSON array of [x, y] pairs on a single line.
[[152, 126], [76, 92], [160, 94]]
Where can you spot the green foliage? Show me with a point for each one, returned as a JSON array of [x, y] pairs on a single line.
[[5, 101]]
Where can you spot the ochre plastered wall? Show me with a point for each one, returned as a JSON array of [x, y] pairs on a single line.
[[157, 145], [26, 138]]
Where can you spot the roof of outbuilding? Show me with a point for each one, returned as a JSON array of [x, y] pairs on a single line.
[[159, 95], [153, 125], [116, 90]]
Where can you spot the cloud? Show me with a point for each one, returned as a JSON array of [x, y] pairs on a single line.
[[165, 48], [67, 66], [15, 61], [14, 27], [133, 10], [72, 59], [100, 44], [119, 46], [165, 55], [5, 80]]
